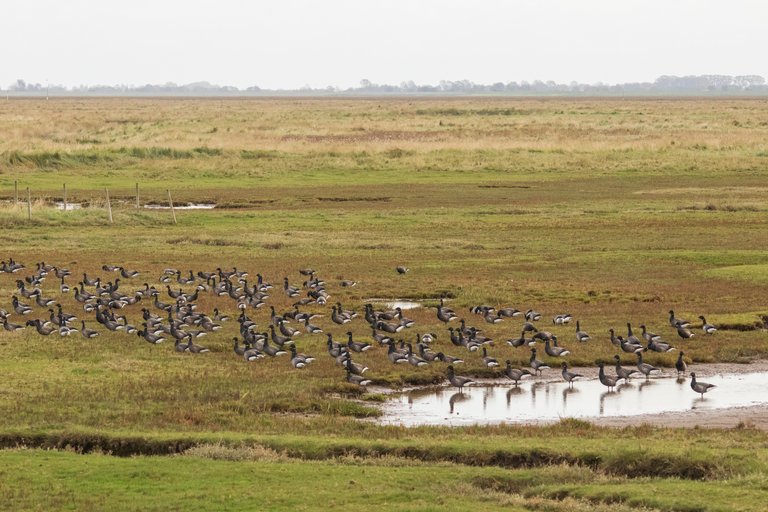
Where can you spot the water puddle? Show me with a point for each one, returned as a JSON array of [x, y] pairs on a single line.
[[67, 207], [532, 402], [403, 304], [189, 206], [396, 303]]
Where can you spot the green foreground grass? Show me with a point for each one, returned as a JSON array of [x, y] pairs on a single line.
[[215, 478], [613, 211]]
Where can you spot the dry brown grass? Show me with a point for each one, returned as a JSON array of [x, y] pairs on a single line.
[[379, 124]]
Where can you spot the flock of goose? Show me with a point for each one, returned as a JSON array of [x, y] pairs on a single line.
[[105, 302], [630, 344]]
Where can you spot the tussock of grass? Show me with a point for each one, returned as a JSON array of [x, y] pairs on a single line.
[[53, 159], [712, 207], [215, 242], [220, 451]]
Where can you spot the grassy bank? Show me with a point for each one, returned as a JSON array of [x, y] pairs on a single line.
[[217, 478]]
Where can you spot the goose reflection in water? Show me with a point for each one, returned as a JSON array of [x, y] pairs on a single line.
[[505, 403], [603, 396], [566, 392], [456, 398], [486, 395], [416, 394], [537, 386], [512, 392]]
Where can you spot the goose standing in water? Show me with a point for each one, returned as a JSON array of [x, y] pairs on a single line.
[[700, 387], [645, 368], [457, 380], [623, 373], [569, 377], [515, 374], [607, 380]]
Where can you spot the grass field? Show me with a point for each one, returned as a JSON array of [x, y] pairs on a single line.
[[611, 210]]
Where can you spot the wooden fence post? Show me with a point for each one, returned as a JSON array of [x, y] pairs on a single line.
[[173, 212], [109, 205], [65, 197], [16, 191]]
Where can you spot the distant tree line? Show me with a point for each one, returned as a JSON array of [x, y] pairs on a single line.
[[667, 84]]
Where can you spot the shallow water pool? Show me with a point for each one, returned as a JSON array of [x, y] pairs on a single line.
[[532, 402]]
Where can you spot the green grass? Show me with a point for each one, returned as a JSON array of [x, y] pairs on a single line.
[[749, 273], [214, 478]]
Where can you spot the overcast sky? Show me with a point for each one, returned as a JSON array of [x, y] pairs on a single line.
[[292, 43]]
